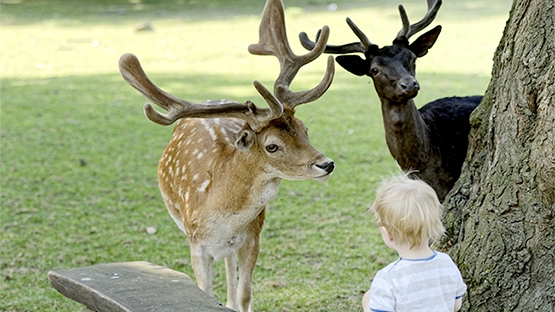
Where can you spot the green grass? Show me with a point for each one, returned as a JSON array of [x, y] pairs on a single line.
[[78, 158]]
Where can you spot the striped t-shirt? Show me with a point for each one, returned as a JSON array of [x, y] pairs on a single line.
[[431, 284]]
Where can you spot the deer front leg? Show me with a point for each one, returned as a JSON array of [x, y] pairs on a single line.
[[247, 256], [247, 260], [231, 278], [202, 265]]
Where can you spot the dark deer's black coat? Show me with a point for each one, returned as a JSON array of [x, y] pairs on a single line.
[[447, 120]]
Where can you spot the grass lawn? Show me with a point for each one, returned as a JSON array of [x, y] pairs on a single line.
[[79, 159]]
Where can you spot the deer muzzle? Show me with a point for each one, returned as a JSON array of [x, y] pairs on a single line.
[[324, 169], [408, 87], [327, 166]]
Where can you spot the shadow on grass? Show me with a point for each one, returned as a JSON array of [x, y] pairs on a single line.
[[18, 12]]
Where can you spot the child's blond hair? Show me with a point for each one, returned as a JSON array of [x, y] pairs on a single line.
[[409, 209]]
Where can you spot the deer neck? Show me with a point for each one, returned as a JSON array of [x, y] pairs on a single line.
[[406, 133], [256, 187]]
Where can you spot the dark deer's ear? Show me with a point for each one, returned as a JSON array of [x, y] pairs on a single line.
[[421, 45], [354, 64]]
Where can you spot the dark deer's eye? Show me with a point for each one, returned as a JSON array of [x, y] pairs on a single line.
[[272, 148], [374, 71]]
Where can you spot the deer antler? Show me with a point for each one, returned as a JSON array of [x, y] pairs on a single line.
[[273, 41], [365, 45], [354, 47], [133, 74], [408, 30]]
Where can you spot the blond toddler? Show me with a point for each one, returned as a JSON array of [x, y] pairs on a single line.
[[409, 215]]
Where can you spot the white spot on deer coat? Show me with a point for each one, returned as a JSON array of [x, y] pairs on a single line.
[[210, 130], [224, 134], [204, 185]]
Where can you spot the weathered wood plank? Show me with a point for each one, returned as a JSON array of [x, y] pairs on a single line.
[[132, 287]]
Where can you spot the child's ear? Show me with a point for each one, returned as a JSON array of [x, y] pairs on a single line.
[[389, 235], [384, 229]]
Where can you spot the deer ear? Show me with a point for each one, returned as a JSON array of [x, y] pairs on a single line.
[[245, 139], [421, 45], [354, 64]]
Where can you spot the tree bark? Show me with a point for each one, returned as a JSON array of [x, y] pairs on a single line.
[[500, 214]]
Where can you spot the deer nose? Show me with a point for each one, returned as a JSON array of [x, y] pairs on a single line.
[[409, 85], [327, 166]]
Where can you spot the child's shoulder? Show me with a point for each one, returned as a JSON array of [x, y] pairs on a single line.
[[443, 256], [388, 268], [401, 265]]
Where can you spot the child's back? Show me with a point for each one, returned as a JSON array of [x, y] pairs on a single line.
[[430, 284], [409, 215]]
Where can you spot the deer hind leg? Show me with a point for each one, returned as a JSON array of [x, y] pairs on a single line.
[[247, 256], [231, 278], [202, 265]]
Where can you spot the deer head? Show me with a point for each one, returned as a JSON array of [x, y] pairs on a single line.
[[270, 129], [392, 68]]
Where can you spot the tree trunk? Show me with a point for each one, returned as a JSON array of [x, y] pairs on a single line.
[[500, 214]]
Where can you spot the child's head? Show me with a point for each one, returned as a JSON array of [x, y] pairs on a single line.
[[409, 209]]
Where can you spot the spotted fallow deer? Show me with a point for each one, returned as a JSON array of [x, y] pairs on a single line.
[[431, 140], [226, 159]]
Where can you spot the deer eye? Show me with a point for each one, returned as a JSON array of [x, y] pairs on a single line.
[[272, 148], [374, 71]]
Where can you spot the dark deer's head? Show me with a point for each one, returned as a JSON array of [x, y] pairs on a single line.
[[392, 68]]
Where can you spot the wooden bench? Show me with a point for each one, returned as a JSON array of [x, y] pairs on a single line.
[[132, 287]]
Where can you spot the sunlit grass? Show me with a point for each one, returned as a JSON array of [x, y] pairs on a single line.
[[78, 158]]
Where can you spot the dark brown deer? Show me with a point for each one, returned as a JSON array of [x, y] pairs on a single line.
[[431, 140], [226, 159]]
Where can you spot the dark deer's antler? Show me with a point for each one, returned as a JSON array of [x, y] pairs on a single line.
[[408, 30], [354, 47], [133, 73], [364, 45], [273, 41]]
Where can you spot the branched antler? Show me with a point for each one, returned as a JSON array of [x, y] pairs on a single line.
[[273, 41], [408, 30], [365, 45], [177, 108], [354, 47]]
